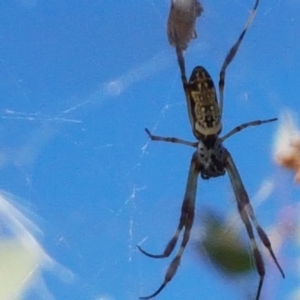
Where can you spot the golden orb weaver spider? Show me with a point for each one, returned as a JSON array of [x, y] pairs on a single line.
[[211, 159]]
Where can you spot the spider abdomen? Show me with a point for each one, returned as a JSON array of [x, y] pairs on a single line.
[[204, 111]]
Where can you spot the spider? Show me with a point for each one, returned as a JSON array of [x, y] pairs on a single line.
[[211, 159]]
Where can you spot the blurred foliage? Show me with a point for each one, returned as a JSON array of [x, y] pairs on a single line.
[[223, 246]]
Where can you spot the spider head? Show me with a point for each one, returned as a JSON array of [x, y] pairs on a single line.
[[203, 107], [212, 158]]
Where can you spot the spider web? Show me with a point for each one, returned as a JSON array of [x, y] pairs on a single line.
[[73, 140]]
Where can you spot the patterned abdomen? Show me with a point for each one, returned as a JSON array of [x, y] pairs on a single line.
[[204, 111]]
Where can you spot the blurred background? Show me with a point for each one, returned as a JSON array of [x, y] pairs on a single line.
[[79, 82]]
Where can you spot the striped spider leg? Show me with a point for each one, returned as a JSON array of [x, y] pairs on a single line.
[[211, 159]]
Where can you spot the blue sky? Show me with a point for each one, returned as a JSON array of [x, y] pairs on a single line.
[[79, 82]]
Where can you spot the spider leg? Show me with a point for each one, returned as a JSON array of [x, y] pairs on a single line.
[[181, 63], [173, 241], [186, 221], [246, 211], [245, 125], [180, 58], [231, 54], [170, 139]]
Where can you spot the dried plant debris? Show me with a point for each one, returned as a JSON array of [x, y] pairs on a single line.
[[292, 160], [287, 144], [181, 22]]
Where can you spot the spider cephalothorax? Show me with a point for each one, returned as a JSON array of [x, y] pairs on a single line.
[[212, 158]]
